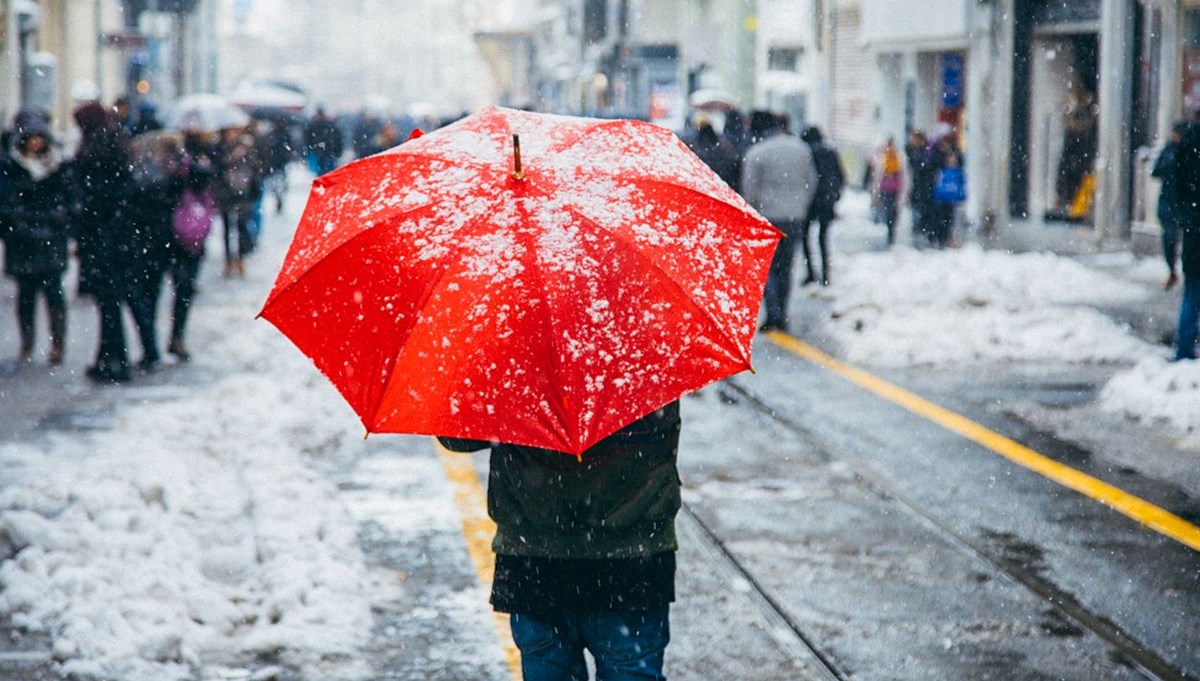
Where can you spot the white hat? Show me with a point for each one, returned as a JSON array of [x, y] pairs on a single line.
[[85, 90]]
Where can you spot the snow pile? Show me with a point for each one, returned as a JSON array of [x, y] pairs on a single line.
[[195, 533], [1157, 391], [905, 307]]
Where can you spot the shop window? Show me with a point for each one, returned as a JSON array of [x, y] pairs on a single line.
[[784, 58]]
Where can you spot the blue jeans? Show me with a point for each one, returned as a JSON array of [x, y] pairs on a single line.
[[627, 646], [1189, 319]]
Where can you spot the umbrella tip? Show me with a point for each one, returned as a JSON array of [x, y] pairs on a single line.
[[366, 435], [518, 174], [751, 368]]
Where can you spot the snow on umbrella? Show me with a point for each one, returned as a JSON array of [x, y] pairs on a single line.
[[450, 286], [204, 113]]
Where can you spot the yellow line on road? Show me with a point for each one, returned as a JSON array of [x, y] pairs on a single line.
[[477, 529], [1144, 512]]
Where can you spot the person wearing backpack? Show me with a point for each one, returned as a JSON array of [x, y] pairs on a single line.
[[239, 190], [830, 181], [949, 189]]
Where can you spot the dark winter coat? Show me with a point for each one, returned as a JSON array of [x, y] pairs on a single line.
[[718, 155], [619, 501], [921, 174], [158, 180], [324, 138], [831, 179], [103, 225], [34, 219], [1187, 192], [1164, 170], [242, 169]]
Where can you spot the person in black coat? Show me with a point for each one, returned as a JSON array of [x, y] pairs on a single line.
[[920, 189], [1170, 214], [33, 225], [718, 154], [1187, 194], [108, 242], [323, 143], [830, 181]]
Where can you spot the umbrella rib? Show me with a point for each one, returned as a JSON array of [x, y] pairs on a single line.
[[665, 275], [570, 429], [464, 232]]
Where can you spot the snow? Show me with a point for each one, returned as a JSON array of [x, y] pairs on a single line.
[[909, 308], [906, 307], [1158, 392], [197, 533]]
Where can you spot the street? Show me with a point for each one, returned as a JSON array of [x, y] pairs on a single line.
[[229, 520]]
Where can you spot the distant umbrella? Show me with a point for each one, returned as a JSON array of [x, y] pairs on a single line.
[[204, 113]]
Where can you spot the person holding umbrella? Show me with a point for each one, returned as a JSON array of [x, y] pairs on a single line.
[[554, 311], [585, 549]]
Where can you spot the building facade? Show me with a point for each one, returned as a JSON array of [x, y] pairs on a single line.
[[58, 52], [1058, 104]]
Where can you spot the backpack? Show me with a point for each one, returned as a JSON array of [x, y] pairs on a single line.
[[192, 219]]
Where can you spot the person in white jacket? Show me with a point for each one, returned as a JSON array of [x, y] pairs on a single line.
[[779, 178]]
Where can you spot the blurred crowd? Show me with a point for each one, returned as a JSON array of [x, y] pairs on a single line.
[[796, 179], [133, 203]]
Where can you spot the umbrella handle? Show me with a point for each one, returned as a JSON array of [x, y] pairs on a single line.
[[518, 174]]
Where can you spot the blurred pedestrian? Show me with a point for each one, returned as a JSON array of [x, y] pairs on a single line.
[[717, 154], [156, 159], [585, 549], [323, 143], [387, 138], [362, 134], [239, 189], [888, 184], [1171, 214], [779, 178], [831, 179], [945, 161], [193, 213], [276, 154], [920, 190], [1187, 192], [35, 192], [108, 241]]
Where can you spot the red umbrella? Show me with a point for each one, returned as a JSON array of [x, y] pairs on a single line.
[[549, 297]]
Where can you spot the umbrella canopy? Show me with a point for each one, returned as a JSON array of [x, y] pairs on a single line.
[[712, 99], [445, 290], [204, 113]]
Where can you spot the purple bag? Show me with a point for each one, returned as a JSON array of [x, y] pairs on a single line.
[[193, 219]]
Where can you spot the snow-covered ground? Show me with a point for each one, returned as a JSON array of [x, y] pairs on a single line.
[[199, 533], [196, 533], [905, 307]]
